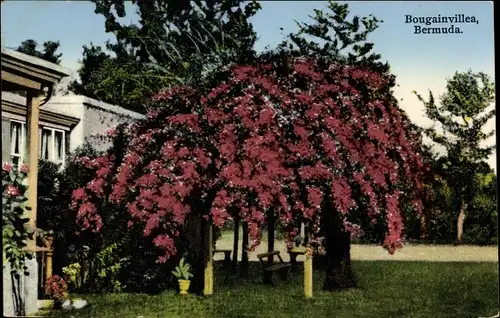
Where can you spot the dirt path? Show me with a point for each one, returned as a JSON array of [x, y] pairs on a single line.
[[433, 253]]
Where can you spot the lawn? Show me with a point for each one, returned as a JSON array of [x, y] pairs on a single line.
[[385, 289]]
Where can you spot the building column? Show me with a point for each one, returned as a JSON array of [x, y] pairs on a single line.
[[32, 154]]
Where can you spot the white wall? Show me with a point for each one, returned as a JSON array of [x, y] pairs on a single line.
[[28, 288], [69, 107], [95, 117], [97, 120]]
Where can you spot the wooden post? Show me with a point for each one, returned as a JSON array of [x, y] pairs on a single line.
[[49, 243], [270, 233], [270, 244], [209, 268], [308, 266], [236, 236], [244, 251], [32, 154], [308, 275], [48, 267]]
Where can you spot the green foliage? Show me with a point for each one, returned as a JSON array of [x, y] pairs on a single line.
[[174, 44], [123, 82], [336, 36], [96, 273], [15, 229], [481, 218], [461, 115], [183, 270], [48, 53], [73, 276], [49, 215], [481, 222]]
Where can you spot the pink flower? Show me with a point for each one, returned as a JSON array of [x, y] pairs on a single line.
[[111, 132], [56, 287], [103, 172], [79, 194], [13, 191], [24, 169], [7, 167]]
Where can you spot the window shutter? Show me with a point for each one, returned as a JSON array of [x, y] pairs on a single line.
[[5, 140]]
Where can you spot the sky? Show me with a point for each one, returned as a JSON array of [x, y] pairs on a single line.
[[421, 62]]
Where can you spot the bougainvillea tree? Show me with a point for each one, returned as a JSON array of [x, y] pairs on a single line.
[[313, 142]]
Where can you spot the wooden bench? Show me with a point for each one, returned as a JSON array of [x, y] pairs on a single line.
[[227, 256], [269, 268], [294, 252]]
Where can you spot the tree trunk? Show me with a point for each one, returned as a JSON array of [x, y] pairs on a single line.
[[215, 236], [270, 234], [339, 274], [460, 221], [270, 244], [244, 252], [195, 248], [235, 242], [423, 226]]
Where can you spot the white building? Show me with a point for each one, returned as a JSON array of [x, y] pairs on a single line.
[[65, 123]]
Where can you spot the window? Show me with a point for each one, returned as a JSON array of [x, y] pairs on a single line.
[[46, 144], [59, 146], [52, 143], [17, 142]]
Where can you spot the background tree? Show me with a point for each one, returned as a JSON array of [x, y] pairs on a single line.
[[461, 115], [338, 37], [175, 43], [130, 81], [48, 53]]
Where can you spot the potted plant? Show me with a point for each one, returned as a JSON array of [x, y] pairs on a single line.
[[57, 289], [183, 272]]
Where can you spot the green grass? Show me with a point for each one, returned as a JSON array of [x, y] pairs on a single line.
[[385, 289]]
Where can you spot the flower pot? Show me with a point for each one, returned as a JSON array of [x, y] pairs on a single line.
[[184, 286]]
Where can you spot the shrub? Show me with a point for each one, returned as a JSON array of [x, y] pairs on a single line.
[[56, 288], [15, 232]]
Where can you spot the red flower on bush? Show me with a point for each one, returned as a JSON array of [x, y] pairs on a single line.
[[13, 191], [7, 167], [24, 169], [56, 288], [257, 141]]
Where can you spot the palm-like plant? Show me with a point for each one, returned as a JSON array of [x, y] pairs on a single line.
[[183, 270]]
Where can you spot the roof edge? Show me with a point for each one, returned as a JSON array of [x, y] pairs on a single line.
[[25, 58]]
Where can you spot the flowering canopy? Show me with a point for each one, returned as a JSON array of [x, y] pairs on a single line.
[[286, 137]]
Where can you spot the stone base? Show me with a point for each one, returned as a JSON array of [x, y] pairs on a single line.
[[29, 289]]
